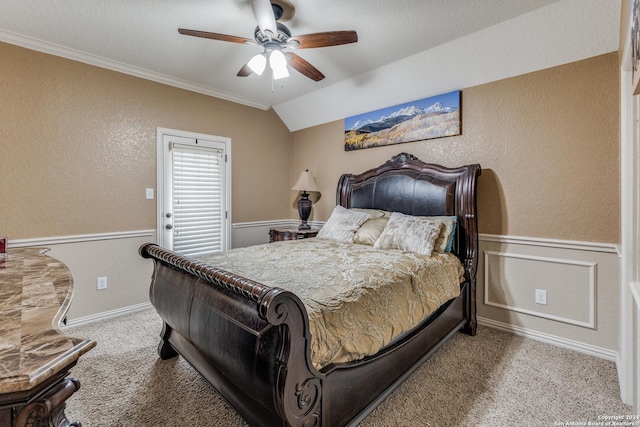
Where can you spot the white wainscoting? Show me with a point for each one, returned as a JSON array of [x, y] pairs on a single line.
[[111, 255], [583, 299], [115, 255], [573, 282], [581, 280]]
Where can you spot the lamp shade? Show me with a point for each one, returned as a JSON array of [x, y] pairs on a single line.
[[306, 182]]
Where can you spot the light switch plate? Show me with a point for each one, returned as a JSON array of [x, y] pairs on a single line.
[[149, 193], [541, 296]]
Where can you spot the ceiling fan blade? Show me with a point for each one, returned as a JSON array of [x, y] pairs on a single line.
[[263, 12], [329, 38], [302, 66], [245, 71], [215, 36]]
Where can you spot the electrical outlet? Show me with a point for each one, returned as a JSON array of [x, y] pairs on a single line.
[[541, 296], [102, 283]]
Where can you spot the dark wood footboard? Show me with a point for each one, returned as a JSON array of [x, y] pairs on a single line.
[[249, 340]]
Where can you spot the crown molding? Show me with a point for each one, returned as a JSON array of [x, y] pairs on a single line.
[[98, 61]]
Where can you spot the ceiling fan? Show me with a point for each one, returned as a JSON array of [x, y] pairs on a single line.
[[277, 41]]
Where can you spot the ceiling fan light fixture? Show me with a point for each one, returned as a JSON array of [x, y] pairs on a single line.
[[274, 37], [258, 63], [278, 64]]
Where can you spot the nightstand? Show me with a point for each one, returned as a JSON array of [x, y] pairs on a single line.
[[290, 233]]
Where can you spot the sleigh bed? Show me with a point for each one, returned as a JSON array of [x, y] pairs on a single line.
[[252, 341]]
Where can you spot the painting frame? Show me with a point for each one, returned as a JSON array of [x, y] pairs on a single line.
[[438, 116]]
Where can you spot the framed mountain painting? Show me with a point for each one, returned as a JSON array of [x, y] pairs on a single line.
[[428, 118]]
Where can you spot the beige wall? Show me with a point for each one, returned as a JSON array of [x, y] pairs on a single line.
[[78, 147], [548, 143]]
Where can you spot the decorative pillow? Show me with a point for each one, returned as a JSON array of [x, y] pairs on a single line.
[[369, 232], [375, 213], [444, 242], [342, 225], [409, 233]]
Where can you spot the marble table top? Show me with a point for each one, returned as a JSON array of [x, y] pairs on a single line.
[[35, 294]]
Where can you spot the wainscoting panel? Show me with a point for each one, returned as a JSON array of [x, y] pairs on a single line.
[[581, 281], [115, 256], [511, 281]]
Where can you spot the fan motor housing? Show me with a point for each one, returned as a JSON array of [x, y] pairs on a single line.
[[281, 38]]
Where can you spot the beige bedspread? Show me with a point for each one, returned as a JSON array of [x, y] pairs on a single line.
[[358, 298]]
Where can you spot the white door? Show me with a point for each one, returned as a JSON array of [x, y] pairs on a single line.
[[193, 192]]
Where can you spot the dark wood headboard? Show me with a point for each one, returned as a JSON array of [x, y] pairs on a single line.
[[406, 184]]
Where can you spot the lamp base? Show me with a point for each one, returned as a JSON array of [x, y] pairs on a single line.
[[304, 209]]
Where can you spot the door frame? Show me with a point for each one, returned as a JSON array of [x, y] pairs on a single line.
[[160, 178], [629, 192]]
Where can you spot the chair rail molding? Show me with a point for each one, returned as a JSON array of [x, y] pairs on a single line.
[[59, 240]]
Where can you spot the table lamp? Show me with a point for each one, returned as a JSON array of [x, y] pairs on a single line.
[[305, 183]]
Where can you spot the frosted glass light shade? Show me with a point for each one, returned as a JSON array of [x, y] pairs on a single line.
[[278, 63], [258, 63]]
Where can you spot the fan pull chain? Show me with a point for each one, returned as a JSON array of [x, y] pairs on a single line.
[[273, 89]]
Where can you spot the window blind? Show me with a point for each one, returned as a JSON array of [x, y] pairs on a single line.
[[198, 187]]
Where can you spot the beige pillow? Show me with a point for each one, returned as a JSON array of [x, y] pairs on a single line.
[[445, 238], [369, 232], [409, 233], [342, 225]]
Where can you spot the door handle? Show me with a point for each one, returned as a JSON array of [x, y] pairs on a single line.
[[168, 226]]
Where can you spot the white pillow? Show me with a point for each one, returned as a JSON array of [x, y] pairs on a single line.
[[409, 233], [342, 225], [375, 213]]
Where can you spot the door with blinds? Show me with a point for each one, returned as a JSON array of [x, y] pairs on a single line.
[[193, 217]]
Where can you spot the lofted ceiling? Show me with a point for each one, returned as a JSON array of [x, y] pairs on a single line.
[[140, 38]]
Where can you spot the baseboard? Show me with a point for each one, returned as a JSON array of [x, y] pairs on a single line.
[[107, 315], [591, 350]]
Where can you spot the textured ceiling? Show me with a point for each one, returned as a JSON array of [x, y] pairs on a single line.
[[140, 37]]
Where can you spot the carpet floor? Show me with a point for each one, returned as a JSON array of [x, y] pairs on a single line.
[[492, 379]]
